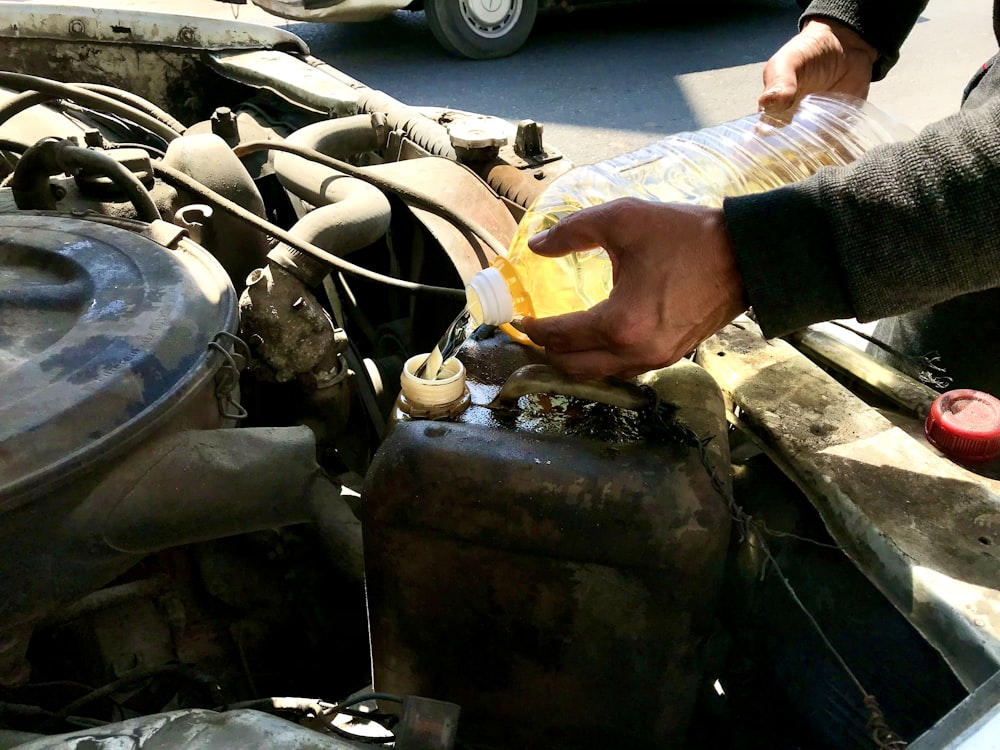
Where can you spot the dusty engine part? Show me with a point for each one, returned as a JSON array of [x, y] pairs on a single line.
[[351, 214], [30, 181], [104, 328], [288, 330], [196, 730], [134, 340], [207, 159], [581, 545], [116, 325]]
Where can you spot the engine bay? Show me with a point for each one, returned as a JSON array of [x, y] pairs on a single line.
[[217, 254]]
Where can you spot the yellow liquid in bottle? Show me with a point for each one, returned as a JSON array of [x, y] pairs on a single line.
[[746, 156]]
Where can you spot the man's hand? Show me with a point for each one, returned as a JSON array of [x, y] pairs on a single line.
[[675, 284], [826, 56]]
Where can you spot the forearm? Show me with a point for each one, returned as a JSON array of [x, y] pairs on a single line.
[[882, 23], [905, 227]]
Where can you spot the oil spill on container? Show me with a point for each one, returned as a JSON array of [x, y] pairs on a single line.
[[557, 586]]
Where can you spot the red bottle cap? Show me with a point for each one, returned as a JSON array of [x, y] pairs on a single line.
[[965, 425]]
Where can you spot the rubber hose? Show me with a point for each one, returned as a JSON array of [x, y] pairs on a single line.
[[423, 131], [414, 196], [25, 100], [357, 216], [23, 82], [30, 181], [179, 179], [15, 147], [134, 100], [514, 184], [350, 213], [339, 138]]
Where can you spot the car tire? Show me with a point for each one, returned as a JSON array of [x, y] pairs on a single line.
[[481, 29]]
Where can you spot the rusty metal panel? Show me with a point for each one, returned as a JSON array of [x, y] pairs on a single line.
[[921, 528], [537, 579]]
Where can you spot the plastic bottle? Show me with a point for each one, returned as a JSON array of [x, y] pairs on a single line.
[[753, 154]]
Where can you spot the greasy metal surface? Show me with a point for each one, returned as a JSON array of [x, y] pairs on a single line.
[[291, 77], [829, 351], [547, 379], [104, 332], [169, 77], [195, 729], [286, 327], [594, 568], [80, 23], [457, 187], [924, 530]]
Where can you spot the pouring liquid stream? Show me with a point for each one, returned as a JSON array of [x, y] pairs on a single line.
[[449, 345]]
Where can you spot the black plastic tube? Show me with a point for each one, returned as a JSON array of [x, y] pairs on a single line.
[[30, 181], [15, 147]]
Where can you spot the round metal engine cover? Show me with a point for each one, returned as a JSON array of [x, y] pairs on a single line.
[[103, 334]]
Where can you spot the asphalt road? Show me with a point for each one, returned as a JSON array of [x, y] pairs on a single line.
[[611, 80], [605, 81]]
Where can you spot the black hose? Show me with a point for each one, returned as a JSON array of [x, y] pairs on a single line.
[[23, 82], [30, 181], [421, 199], [134, 100], [179, 179], [15, 147]]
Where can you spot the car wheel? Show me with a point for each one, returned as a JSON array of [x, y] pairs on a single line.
[[481, 29]]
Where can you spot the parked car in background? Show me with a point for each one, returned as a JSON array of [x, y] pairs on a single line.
[[476, 29]]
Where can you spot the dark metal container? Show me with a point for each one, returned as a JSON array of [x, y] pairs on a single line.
[[558, 587]]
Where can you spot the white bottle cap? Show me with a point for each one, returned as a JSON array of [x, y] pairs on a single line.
[[488, 299]]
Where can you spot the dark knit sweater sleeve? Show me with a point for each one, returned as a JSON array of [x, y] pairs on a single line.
[[884, 24], [906, 226]]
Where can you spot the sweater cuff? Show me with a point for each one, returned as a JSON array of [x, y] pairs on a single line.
[[884, 24], [790, 270]]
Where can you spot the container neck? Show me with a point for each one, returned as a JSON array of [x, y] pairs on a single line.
[[442, 398]]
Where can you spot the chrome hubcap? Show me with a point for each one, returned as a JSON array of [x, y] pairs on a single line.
[[491, 18]]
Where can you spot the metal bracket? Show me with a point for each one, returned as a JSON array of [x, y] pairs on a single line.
[[164, 233]]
